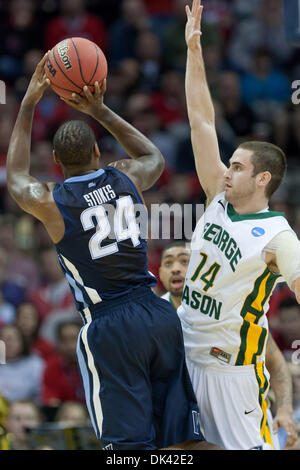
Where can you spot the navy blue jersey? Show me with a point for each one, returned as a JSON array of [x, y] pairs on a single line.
[[102, 252]]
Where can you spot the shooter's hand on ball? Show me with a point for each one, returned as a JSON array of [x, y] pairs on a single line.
[[91, 103], [38, 84], [192, 28]]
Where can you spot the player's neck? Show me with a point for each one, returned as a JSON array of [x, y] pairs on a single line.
[[176, 301], [251, 206], [69, 173]]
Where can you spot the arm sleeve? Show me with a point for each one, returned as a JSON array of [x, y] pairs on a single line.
[[286, 247]]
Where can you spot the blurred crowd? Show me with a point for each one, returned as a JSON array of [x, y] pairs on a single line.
[[250, 70]]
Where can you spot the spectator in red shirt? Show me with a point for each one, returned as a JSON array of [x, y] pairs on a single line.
[[55, 295], [285, 326], [75, 21], [168, 102], [28, 321], [159, 7], [61, 380]]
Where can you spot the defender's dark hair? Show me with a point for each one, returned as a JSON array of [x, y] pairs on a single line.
[[176, 243], [73, 143], [267, 157]]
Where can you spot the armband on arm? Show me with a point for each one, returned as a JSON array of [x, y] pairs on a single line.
[[286, 248]]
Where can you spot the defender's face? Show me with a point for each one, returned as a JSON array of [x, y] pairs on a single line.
[[173, 269], [239, 179]]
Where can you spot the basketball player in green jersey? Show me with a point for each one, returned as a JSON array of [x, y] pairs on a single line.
[[172, 272], [240, 250]]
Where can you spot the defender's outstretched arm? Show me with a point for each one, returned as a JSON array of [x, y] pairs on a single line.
[[209, 166]]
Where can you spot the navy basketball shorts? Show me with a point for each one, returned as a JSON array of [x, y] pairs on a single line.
[[132, 363]]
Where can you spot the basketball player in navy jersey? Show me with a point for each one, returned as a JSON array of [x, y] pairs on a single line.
[[130, 349]]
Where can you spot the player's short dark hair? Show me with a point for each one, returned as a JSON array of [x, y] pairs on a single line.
[[267, 157], [73, 143], [175, 243]]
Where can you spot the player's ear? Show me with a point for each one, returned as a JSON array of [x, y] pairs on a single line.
[[55, 157], [96, 150], [264, 178]]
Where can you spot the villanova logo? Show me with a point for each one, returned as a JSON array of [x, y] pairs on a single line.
[[257, 231]]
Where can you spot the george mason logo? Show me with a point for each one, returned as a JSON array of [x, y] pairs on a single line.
[[63, 53]]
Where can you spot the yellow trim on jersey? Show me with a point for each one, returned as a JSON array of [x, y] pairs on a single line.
[[255, 331], [257, 303], [263, 385], [253, 336]]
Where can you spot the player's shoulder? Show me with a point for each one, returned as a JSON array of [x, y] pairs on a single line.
[[219, 198], [123, 167], [131, 169]]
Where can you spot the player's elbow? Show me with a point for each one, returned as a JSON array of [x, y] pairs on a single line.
[[12, 186], [288, 257], [160, 162], [15, 193], [153, 166]]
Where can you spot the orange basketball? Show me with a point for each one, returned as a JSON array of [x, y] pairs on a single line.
[[74, 63]]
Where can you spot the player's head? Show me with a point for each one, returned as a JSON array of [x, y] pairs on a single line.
[[255, 167], [173, 266], [74, 145]]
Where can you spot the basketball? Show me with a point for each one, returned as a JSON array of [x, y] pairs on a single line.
[[74, 63]]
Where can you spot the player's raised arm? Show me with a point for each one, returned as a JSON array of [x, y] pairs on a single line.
[[209, 166], [147, 163], [28, 192]]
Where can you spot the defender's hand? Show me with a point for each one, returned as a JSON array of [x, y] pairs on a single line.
[[38, 84], [91, 103], [284, 419], [192, 28]]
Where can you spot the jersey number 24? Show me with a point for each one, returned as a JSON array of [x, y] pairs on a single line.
[[124, 212]]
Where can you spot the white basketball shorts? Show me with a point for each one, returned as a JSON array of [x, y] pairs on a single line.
[[232, 403]]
